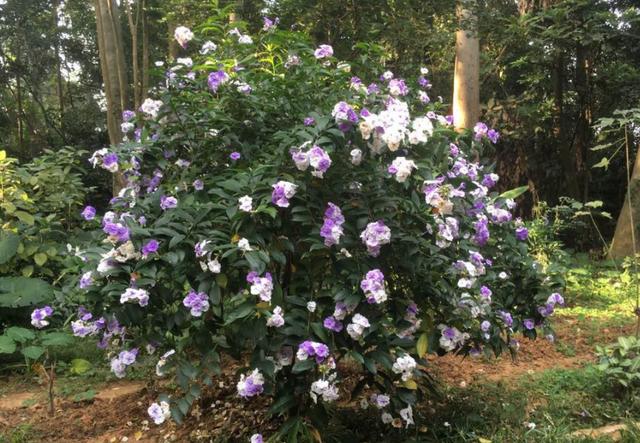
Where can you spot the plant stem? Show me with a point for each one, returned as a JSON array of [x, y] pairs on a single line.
[[633, 230]]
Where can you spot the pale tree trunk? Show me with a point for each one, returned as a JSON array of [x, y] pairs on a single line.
[[59, 85], [626, 228], [466, 81], [145, 51], [133, 17], [114, 74]]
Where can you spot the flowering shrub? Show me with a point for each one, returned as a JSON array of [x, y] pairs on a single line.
[[282, 213]]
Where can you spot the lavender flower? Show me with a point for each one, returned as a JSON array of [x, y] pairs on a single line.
[[197, 302], [159, 413], [261, 286], [216, 79], [309, 348], [319, 160], [140, 296], [256, 438], [150, 247], [128, 115], [309, 121], [522, 233], [89, 213], [481, 226], [401, 168], [323, 51], [282, 192], [398, 87], [168, 202], [332, 324], [251, 385], [39, 315], [373, 286], [198, 185], [375, 236], [529, 324], [277, 318], [331, 229], [86, 280], [110, 162], [234, 156]]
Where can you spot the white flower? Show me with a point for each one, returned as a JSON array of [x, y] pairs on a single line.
[[404, 365], [356, 156], [325, 388], [277, 318], [424, 71], [214, 266], [159, 412], [183, 35], [208, 47], [244, 245], [388, 75], [386, 418], [358, 324], [246, 203], [186, 61], [151, 107], [311, 306], [245, 40], [407, 415]]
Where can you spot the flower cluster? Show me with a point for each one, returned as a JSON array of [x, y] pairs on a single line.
[[124, 359], [316, 157], [197, 302], [375, 236], [331, 229], [39, 315], [283, 191], [309, 348], [251, 385], [261, 286], [373, 286]]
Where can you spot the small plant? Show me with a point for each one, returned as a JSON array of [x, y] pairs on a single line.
[[620, 363]]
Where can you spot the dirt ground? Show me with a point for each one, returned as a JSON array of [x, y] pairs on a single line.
[[118, 411]]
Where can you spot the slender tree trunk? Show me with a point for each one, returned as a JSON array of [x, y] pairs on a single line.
[[59, 83], [20, 113], [145, 52], [110, 48], [134, 18], [625, 233], [466, 82]]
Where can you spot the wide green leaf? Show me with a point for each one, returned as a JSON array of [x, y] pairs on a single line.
[[7, 345], [33, 352], [20, 334], [18, 292], [9, 243]]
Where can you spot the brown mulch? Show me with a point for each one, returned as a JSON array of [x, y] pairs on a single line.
[[120, 410]]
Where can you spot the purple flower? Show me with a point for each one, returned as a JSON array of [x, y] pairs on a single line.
[[343, 113], [506, 318], [493, 136], [256, 438], [39, 315], [267, 25], [522, 233], [319, 160], [485, 326], [235, 156], [398, 87], [198, 302], [490, 180], [88, 213], [168, 202], [86, 280], [150, 247], [373, 286], [110, 162], [486, 293], [198, 185], [323, 51], [331, 229], [529, 324], [332, 324], [481, 226], [373, 88], [556, 299], [251, 385], [128, 115], [216, 79], [309, 121], [480, 130], [282, 192], [374, 236], [117, 231], [309, 348], [423, 82]]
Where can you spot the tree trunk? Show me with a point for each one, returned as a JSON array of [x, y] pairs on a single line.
[[110, 48], [20, 113], [59, 87], [145, 52], [133, 19], [466, 82], [625, 234]]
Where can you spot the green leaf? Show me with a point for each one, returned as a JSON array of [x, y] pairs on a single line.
[[423, 345], [25, 217], [33, 352], [40, 258], [604, 163], [20, 334], [79, 366], [514, 193], [16, 292], [57, 339], [7, 345], [8, 246], [302, 366]]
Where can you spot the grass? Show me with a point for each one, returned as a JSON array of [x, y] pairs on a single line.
[[21, 434]]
